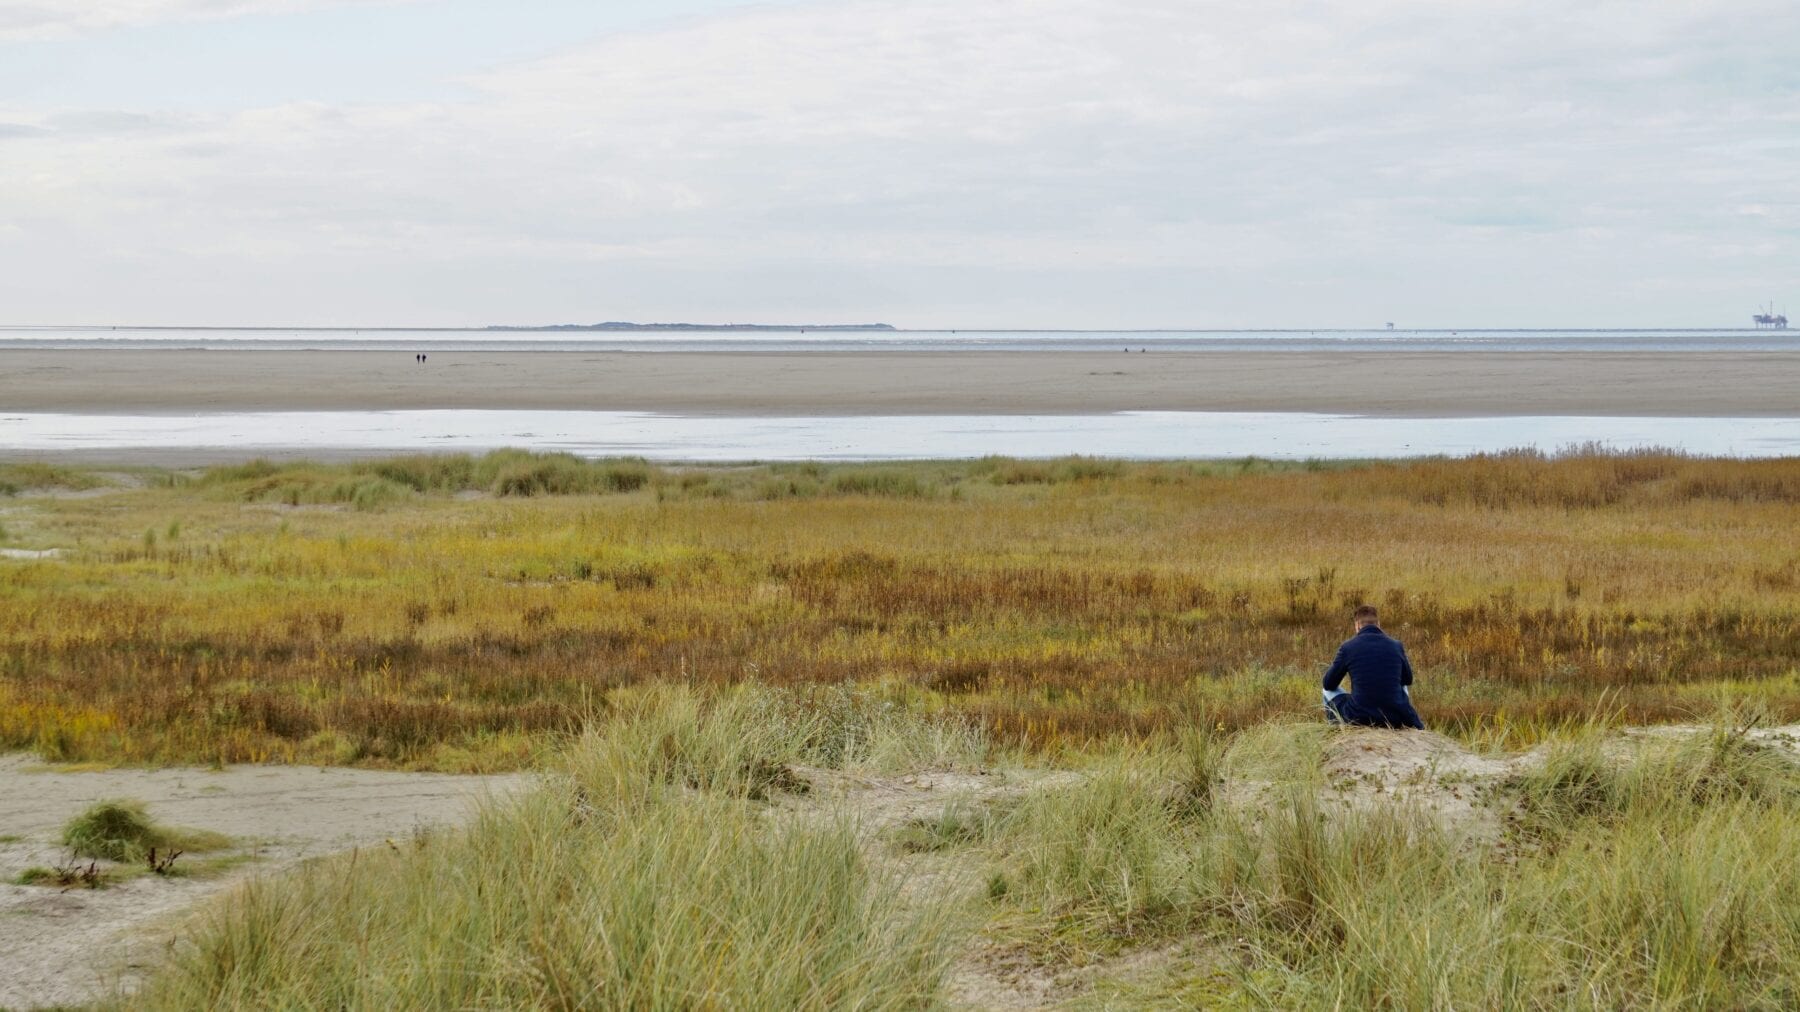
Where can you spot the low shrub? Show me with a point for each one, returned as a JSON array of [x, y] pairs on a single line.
[[123, 831]]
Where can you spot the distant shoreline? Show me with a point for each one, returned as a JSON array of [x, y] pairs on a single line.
[[878, 327], [697, 327]]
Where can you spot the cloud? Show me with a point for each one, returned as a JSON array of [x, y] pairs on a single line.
[[1000, 162], [54, 19]]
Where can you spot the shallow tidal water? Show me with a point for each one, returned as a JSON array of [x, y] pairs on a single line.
[[1135, 434]]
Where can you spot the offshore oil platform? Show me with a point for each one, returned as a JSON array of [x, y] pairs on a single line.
[[1771, 319]]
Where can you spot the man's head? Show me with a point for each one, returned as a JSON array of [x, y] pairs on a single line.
[[1365, 615]]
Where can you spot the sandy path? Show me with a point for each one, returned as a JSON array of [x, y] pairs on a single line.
[[1407, 384], [60, 947]]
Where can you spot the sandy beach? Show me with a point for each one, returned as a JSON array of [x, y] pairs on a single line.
[[66, 946], [1397, 384]]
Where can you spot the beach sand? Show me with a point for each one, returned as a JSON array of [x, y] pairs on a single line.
[[1401, 384], [59, 947]]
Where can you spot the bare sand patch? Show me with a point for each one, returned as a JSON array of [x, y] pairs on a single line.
[[62, 947], [1785, 736], [1367, 768]]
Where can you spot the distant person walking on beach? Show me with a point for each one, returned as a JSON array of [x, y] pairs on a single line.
[[1379, 678]]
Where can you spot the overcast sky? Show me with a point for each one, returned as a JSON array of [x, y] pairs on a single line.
[[966, 163]]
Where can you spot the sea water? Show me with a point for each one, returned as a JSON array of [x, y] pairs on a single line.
[[1131, 434]]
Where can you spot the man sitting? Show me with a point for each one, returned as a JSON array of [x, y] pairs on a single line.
[[1379, 678]]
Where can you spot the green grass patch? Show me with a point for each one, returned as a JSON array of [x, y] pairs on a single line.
[[19, 477], [959, 824], [123, 831]]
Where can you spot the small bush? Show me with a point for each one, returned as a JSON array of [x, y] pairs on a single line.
[[518, 473], [1723, 764], [73, 875], [1575, 784], [15, 478], [1111, 847], [369, 493], [1008, 471], [959, 824], [891, 483], [438, 473], [371, 484], [123, 831], [257, 469]]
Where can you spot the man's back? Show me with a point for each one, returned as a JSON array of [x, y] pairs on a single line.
[[1379, 673]]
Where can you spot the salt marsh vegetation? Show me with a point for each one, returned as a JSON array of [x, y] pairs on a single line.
[[984, 734], [450, 613]]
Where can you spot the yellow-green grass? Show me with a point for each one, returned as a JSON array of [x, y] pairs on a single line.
[[22, 476], [656, 867], [452, 612], [647, 872]]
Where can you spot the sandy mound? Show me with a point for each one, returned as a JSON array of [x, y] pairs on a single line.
[[60, 947], [1397, 758], [1367, 768]]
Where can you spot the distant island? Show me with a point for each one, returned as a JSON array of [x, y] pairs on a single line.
[[701, 326]]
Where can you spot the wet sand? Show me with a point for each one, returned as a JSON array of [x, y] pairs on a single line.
[[1397, 384]]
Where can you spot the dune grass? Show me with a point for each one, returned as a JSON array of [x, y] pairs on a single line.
[[21, 476], [647, 872], [660, 866], [1666, 888], [256, 613]]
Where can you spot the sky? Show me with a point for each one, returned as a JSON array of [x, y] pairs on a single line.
[[925, 163]]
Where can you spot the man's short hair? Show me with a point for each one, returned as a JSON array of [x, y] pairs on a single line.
[[1365, 613]]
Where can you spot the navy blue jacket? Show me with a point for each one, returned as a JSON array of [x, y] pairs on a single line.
[[1378, 668]]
